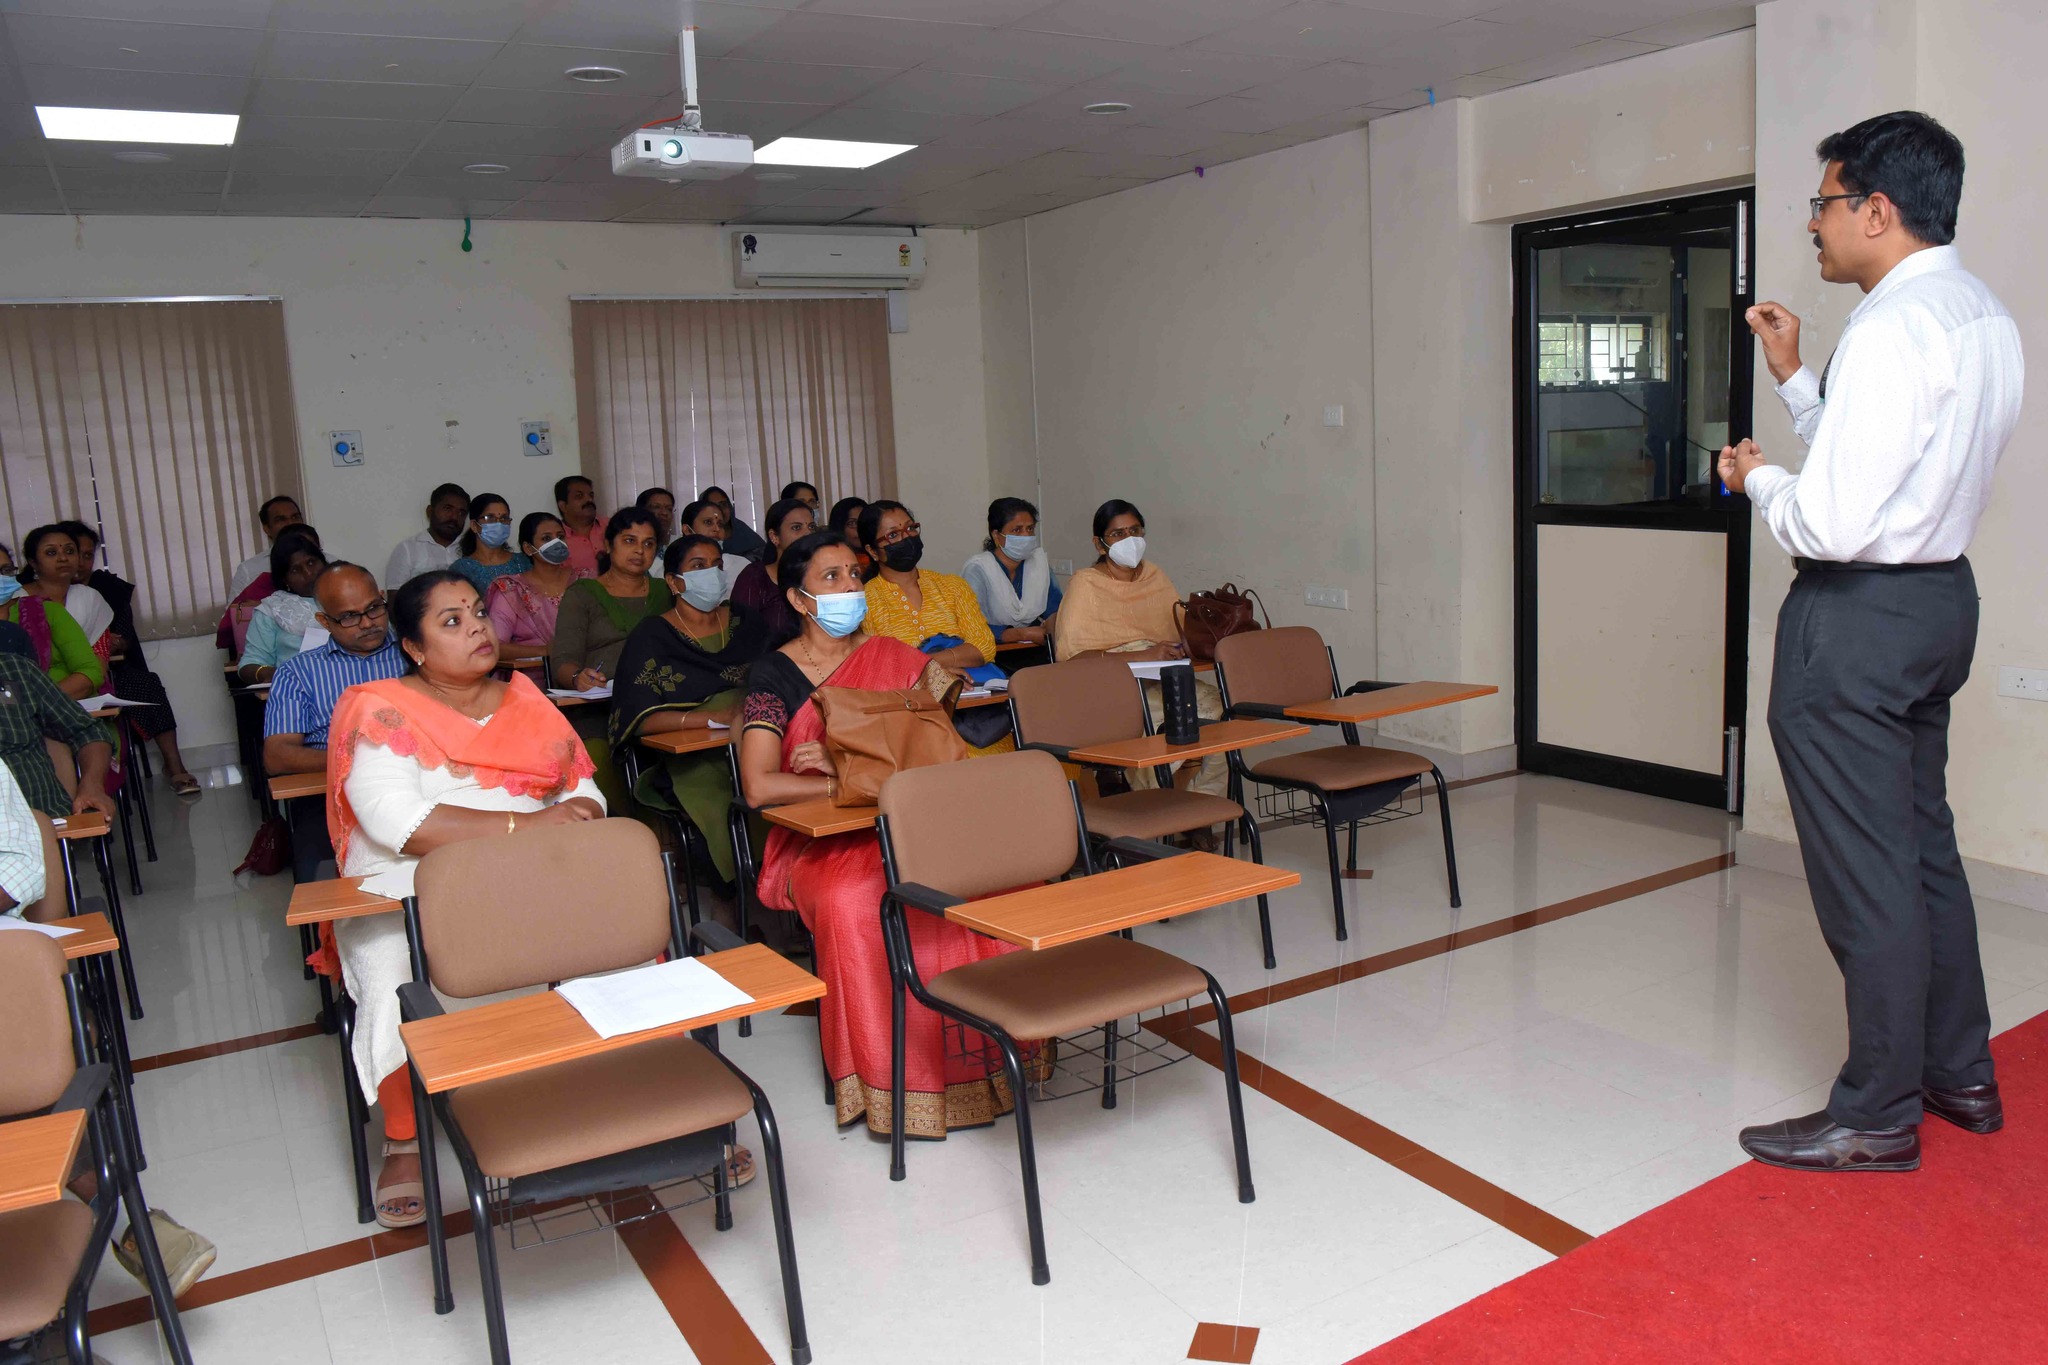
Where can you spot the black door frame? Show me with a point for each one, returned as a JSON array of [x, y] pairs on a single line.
[[1723, 513]]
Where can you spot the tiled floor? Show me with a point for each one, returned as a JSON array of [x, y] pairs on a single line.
[[1594, 1066]]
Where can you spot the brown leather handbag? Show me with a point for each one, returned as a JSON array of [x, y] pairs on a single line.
[[1207, 617], [874, 735]]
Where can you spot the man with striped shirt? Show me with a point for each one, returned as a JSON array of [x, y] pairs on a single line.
[[308, 685]]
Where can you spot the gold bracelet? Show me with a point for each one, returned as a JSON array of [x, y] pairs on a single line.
[[511, 821], [831, 789]]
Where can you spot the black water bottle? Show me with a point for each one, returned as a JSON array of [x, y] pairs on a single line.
[[1177, 699]]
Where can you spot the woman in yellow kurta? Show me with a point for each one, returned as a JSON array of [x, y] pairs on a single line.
[[913, 605]]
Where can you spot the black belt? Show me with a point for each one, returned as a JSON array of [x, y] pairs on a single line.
[[1863, 566]]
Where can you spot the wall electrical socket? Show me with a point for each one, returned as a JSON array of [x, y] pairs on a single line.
[[1317, 596], [2028, 684], [346, 447], [1333, 415], [533, 436], [1063, 567]]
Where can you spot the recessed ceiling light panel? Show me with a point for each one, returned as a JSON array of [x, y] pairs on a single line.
[[595, 75], [136, 125], [818, 151]]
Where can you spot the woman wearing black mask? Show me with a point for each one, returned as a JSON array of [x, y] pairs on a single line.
[[932, 611]]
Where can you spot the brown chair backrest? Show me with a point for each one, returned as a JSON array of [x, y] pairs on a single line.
[[989, 824], [66, 764], [1285, 666], [55, 904], [1082, 701], [35, 1021], [542, 905]]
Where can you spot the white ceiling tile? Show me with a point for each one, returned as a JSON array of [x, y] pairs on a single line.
[[1231, 114], [781, 215], [1148, 21], [233, 13], [356, 57], [619, 191], [294, 205], [104, 154], [885, 125], [527, 66], [784, 82], [485, 20], [1442, 11], [541, 210], [36, 201], [139, 179], [1150, 141], [427, 206], [353, 99], [930, 168], [142, 204], [1054, 58], [298, 183], [518, 168], [680, 210], [1693, 28], [338, 161], [549, 109], [496, 141], [1328, 125], [19, 147], [1599, 52], [1593, 18], [114, 44], [1333, 85], [1319, 29], [945, 92], [1474, 45], [261, 130], [1203, 75], [1464, 87], [102, 88], [822, 39], [844, 200], [993, 13], [761, 122], [1027, 136], [17, 179], [650, 26]]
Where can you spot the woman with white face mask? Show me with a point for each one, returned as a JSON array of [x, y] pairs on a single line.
[[835, 883], [1011, 577], [524, 605], [487, 550], [1123, 604]]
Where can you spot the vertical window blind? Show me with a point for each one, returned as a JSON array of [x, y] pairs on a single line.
[[748, 394], [164, 424]]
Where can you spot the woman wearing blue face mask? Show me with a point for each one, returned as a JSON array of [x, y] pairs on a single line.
[[682, 670], [524, 606], [487, 550], [1011, 578], [835, 883]]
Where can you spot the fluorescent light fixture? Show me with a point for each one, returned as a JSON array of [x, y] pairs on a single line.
[[818, 151], [136, 125]]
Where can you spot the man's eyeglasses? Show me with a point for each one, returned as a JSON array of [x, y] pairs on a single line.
[[1820, 201], [899, 535], [1112, 537], [349, 620]]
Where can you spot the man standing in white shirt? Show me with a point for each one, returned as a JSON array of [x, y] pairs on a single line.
[[276, 514], [1904, 427], [438, 546]]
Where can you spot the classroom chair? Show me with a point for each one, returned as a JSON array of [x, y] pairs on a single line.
[[50, 1252], [958, 832], [636, 1118], [1062, 707], [1263, 672], [65, 762]]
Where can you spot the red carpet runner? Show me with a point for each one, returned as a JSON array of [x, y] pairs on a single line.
[[1947, 1263]]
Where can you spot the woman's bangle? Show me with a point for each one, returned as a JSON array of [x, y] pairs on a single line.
[[511, 822], [831, 789]]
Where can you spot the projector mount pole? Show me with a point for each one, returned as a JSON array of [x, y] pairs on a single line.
[[693, 117]]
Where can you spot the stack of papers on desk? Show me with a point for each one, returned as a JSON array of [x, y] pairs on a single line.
[[597, 693], [106, 699], [1151, 668], [650, 997]]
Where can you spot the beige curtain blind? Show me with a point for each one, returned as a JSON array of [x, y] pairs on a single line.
[[748, 394], [164, 424]]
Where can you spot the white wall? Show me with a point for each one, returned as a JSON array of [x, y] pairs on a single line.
[[436, 356]]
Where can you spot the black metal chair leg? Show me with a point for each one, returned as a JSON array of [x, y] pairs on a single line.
[[141, 777], [1336, 876], [101, 990], [430, 1181], [1110, 1033], [110, 880], [1251, 837], [1231, 1091], [785, 1234], [1351, 848], [899, 1007], [721, 1183], [122, 801], [487, 1268], [1027, 1157], [1443, 806], [358, 1111], [159, 1283]]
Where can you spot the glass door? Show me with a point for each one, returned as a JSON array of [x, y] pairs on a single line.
[[1632, 561]]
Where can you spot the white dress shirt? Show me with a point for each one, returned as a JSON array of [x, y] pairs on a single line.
[[247, 572], [21, 846], [1922, 394], [416, 555]]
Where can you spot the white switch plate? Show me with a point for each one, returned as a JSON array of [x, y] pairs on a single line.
[[346, 447], [2028, 684], [1318, 596], [1063, 567], [1333, 415], [533, 437]]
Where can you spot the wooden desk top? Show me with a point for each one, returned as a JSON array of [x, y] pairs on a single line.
[[335, 898], [521, 654], [35, 1158], [992, 699], [95, 936], [816, 819], [507, 1037], [1217, 737], [688, 741], [291, 786], [1390, 701], [105, 713], [1066, 912], [91, 825]]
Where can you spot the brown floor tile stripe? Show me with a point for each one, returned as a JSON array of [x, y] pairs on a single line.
[[1483, 1197], [1222, 1341], [717, 1334], [222, 1049], [1261, 996]]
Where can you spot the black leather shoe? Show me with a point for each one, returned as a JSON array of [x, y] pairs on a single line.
[[1815, 1142], [1973, 1108]]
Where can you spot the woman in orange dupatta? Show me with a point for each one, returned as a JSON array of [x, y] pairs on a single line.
[[836, 883], [444, 754]]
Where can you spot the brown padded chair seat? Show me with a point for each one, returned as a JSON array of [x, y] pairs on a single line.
[[1343, 767], [1153, 813], [41, 1249], [596, 1106], [1072, 987]]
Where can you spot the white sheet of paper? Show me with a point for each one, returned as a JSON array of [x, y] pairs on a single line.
[[52, 930], [597, 693], [716, 725], [1153, 668], [106, 699], [649, 997], [314, 637]]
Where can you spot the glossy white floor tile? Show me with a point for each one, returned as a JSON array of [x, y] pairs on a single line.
[[1596, 1066]]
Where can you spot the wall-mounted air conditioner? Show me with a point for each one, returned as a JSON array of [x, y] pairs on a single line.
[[767, 259]]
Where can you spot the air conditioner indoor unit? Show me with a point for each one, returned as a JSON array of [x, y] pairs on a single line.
[[767, 259]]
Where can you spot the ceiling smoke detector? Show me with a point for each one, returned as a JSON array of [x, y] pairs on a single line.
[[486, 168], [1107, 107], [595, 75]]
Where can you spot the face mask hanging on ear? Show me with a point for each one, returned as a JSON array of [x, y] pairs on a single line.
[[1128, 553]]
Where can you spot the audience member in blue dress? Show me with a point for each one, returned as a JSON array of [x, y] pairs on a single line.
[[487, 553]]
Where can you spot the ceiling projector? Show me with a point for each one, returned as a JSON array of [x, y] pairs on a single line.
[[685, 149]]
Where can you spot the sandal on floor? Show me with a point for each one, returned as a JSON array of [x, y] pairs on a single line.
[[185, 784], [739, 1166], [399, 1191]]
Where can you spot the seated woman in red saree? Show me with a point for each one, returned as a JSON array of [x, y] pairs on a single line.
[[836, 883]]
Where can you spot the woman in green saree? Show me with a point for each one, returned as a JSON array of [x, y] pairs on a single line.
[[684, 670], [590, 632]]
